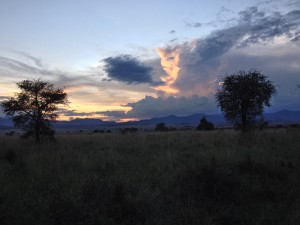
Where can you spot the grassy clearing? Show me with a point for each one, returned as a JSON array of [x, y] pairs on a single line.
[[182, 177]]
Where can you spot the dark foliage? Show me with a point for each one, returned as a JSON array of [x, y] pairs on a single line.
[[161, 127], [99, 131], [295, 125], [244, 95], [129, 130], [33, 109], [205, 125]]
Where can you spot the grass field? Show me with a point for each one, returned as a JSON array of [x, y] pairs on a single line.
[[183, 177]]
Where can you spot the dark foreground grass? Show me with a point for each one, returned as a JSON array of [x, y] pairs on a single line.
[[219, 177]]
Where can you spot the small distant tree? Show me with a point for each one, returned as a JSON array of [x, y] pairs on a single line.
[[205, 125], [244, 95], [161, 127], [33, 109]]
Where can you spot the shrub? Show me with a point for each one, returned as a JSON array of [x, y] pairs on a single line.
[[263, 124], [205, 125], [161, 127], [99, 131], [294, 125], [129, 130]]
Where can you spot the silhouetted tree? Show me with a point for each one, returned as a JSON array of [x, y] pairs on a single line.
[[33, 109], [205, 125], [244, 95], [129, 130], [161, 127]]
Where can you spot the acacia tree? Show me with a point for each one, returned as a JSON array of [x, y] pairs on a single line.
[[243, 96], [34, 108]]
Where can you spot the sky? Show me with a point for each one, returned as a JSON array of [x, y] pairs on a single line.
[[132, 59]]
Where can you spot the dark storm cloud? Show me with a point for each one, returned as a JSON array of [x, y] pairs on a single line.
[[252, 27], [202, 61], [72, 113], [127, 69], [109, 114], [164, 106], [293, 4], [112, 113], [262, 28]]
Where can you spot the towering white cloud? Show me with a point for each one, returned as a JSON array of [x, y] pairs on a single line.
[[194, 67]]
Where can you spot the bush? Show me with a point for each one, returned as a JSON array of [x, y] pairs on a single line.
[[99, 131], [263, 124], [205, 125], [161, 127], [295, 125], [129, 130]]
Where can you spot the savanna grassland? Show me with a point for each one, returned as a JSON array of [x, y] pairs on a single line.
[[181, 177]]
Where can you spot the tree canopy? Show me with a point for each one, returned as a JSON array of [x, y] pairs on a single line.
[[34, 107], [243, 96]]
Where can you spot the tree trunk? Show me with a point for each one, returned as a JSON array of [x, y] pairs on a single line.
[[244, 122], [37, 136]]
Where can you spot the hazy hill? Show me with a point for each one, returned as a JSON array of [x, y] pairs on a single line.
[[284, 116], [181, 120], [83, 123]]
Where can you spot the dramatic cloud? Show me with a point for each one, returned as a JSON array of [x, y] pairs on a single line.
[[167, 105], [170, 63], [186, 74], [84, 88], [73, 113], [114, 114], [128, 69], [193, 68]]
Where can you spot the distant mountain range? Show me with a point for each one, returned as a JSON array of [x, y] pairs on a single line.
[[280, 117], [284, 116]]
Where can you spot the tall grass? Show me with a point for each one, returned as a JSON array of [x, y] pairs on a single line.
[[182, 177]]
